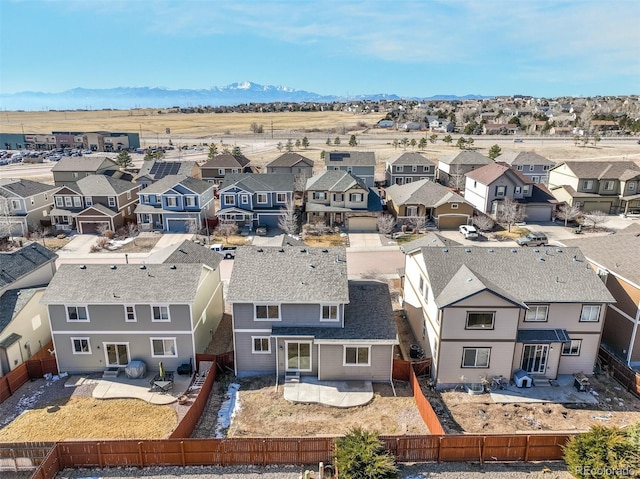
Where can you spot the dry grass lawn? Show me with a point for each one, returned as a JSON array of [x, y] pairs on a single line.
[[89, 418], [233, 240], [325, 240], [515, 233]]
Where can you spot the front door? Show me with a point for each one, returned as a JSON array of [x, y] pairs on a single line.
[[299, 356], [534, 358], [117, 354]]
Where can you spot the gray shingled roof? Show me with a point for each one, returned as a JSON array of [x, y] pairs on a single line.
[[429, 239], [12, 302], [334, 180], [619, 252], [226, 160], [123, 283], [89, 164], [524, 158], [184, 168], [367, 317], [422, 192], [102, 209], [290, 159], [410, 158], [466, 157], [168, 182], [255, 182], [602, 169], [192, 253], [521, 275], [101, 185], [23, 261], [289, 274], [21, 188], [350, 158]]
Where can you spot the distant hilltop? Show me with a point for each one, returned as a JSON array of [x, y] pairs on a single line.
[[125, 98]]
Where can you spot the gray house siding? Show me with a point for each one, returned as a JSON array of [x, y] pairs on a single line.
[[294, 314], [306, 171], [333, 368], [365, 173], [249, 363]]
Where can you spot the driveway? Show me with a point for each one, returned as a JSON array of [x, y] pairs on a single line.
[[274, 237], [364, 240]]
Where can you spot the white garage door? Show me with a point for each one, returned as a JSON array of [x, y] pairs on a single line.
[[538, 213], [362, 223]]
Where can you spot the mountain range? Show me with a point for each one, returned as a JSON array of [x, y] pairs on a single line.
[[147, 97]]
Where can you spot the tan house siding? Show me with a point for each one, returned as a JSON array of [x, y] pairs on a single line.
[[586, 361], [450, 370], [562, 175], [627, 296], [505, 323]]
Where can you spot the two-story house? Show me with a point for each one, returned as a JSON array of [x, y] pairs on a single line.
[[359, 163], [292, 164], [452, 169], [69, 170], [482, 312], [102, 316], [176, 203], [222, 165], [24, 205], [409, 166], [530, 164], [92, 202], [295, 313], [153, 171], [488, 186], [429, 200], [336, 197], [255, 199], [609, 186], [616, 258]]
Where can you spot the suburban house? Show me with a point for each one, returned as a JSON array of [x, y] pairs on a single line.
[[609, 186], [24, 328], [430, 200], [24, 205], [92, 202], [176, 203], [441, 125], [69, 170], [103, 316], [222, 165], [453, 168], [488, 186], [408, 167], [359, 163], [616, 258], [255, 199], [530, 164], [336, 197], [481, 312], [153, 171], [295, 313], [293, 164]]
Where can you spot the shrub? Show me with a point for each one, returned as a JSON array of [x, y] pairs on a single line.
[[360, 455], [95, 248], [102, 242]]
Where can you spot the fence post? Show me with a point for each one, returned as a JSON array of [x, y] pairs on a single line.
[[140, 455], [99, 455], [439, 448], [481, 446], [526, 450], [184, 460]]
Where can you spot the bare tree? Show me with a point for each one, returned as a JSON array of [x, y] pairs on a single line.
[[194, 227], [457, 178], [6, 212], [418, 222], [103, 230], [484, 222], [510, 212], [596, 218], [299, 182], [288, 222], [226, 229], [386, 223], [567, 213]]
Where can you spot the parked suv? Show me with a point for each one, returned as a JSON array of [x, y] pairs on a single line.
[[533, 239], [468, 231]]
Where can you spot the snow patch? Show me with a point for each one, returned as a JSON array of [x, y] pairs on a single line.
[[229, 408]]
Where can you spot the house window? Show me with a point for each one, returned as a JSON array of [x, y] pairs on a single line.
[[129, 194], [190, 200], [414, 169], [519, 167], [88, 201], [68, 201], [590, 312], [537, 313], [59, 202], [356, 197], [572, 348], [587, 185], [112, 201], [261, 344], [407, 179], [357, 356], [230, 199], [75, 174], [425, 169], [338, 197], [319, 195], [163, 347], [517, 190], [532, 167], [281, 197], [244, 199], [349, 169], [172, 201], [221, 171], [411, 211], [454, 206], [77, 313], [526, 189], [546, 167], [329, 312], [480, 319], [160, 313], [158, 200], [501, 190], [261, 198], [81, 346], [421, 284], [475, 357], [631, 186], [130, 314], [267, 312], [399, 169], [15, 205], [234, 170], [608, 185]]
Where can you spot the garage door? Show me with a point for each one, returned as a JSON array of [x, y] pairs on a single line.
[[590, 206], [538, 213], [451, 222], [367, 224], [270, 220], [178, 226], [90, 227]]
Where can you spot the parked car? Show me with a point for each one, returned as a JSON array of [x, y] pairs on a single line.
[[518, 140], [533, 239], [261, 230], [228, 252], [468, 231]]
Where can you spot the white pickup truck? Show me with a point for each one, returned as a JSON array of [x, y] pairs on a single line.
[[228, 252]]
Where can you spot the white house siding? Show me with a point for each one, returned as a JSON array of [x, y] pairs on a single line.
[[41, 275], [476, 195], [207, 309], [561, 175], [450, 370], [332, 368]]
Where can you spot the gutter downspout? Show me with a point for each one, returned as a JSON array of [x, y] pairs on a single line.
[[633, 336], [277, 363]]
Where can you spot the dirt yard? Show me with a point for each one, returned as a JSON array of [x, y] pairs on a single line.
[[460, 412], [265, 412]]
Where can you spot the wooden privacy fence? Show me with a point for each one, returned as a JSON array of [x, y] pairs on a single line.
[[620, 371], [427, 413], [35, 367], [308, 450]]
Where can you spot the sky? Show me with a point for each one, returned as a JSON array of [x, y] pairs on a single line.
[[410, 48]]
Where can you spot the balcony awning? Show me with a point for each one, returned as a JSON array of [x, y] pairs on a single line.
[[543, 336]]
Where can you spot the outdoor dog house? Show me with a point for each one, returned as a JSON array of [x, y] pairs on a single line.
[[522, 378]]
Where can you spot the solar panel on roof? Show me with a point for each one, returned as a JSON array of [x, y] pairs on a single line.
[[161, 169], [154, 168], [338, 156]]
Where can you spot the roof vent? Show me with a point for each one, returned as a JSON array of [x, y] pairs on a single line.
[[84, 266], [143, 266], [513, 250], [467, 250], [541, 258], [445, 250], [312, 266], [558, 250], [281, 250], [469, 280], [33, 246], [182, 251], [325, 250], [113, 266], [303, 250], [260, 250], [536, 250], [491, 250], [173, 266]]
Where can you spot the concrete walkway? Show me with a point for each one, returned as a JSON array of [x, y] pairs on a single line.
[[560, 391], [364, 240], [342, 394]]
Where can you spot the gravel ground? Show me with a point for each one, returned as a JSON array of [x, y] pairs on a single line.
[[453, 470]]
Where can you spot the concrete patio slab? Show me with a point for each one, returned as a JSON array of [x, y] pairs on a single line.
[[560, 391], [125, 388], [342, 394]]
